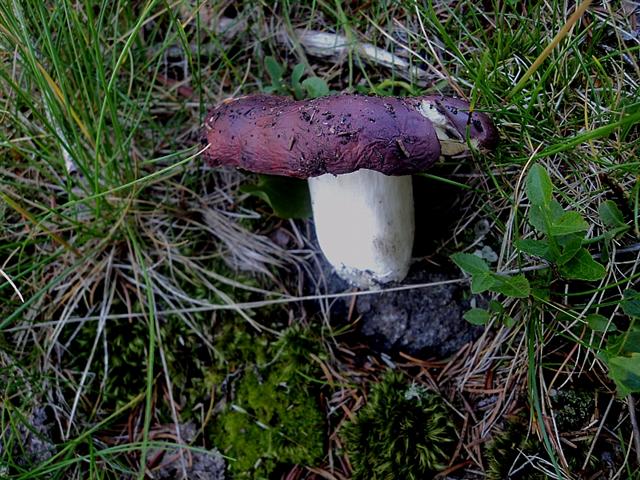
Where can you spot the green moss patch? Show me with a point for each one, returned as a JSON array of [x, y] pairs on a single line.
[[404, 431], [272, 417]]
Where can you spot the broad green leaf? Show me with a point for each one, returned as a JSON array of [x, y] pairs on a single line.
[[600, 323], [477, 316], [555, 210], [496, 307], [571, 245], [537, 218], [622, 356], [315, 87], [541, 217], [275, 70], [516, 286], [508, 321], [631, 303], [469, 263], [539, 186], [568, 223], [537, 248], [296, 76], [582, 267], [623, 344], [541, 292], [611, 215], [289, 197], [481, 282], [625, 372]]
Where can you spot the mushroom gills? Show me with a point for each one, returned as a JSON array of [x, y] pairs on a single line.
[[451, 141], [364, 222]]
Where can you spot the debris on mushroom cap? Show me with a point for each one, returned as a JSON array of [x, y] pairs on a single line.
[[341, 134]]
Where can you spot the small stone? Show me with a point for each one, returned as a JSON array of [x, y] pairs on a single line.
[[423, 321]]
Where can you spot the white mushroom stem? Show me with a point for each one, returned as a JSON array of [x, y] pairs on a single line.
[[364, 220], [365, 225]]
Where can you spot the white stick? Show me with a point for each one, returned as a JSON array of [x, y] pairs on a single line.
[[365, 225]]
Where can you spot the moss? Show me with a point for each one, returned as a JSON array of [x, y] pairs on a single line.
[[272, 419], [403, 431], [572, 408], [506, 455]]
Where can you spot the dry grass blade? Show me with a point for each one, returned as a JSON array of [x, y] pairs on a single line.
[[575, 16]]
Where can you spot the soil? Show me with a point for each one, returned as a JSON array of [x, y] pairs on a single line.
[[423, 321]]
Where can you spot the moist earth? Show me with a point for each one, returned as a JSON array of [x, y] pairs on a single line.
[[424, 321]]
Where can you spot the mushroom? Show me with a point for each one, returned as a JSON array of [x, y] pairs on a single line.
[[358, 153]]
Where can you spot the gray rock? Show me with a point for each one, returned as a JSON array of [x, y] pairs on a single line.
[[201, 465], [34, 446], [204, 466], [423, 321]]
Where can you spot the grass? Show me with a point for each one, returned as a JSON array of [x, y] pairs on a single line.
[[130, 255]]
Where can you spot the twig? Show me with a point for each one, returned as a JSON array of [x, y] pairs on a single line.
[[595, 437], [631, 403], [13, 285]]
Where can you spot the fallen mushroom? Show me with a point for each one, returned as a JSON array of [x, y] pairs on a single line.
[[358, 153]]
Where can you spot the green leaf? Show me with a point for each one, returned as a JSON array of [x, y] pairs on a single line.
[[276, 72], [631, 303], [611, 215], [315, 87], [516, 286], [568, 223], [508, 321], [555, 210], [571, 245], [541, 217], [539, 186], [582, 267], [537, 217], [477, 316], [625, 372], [622, 356], [296, 76], [481, 282], [623, 344], [496, 307], [537, 248], [274, 69], [469, 263], [600, 323], [289, 197]]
